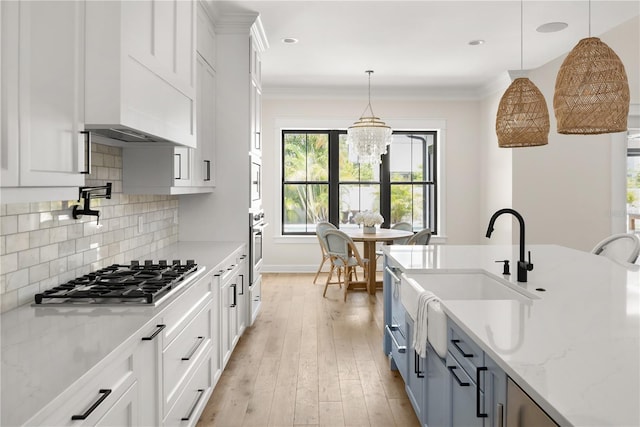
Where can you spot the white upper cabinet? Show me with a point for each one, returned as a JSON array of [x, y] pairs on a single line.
[[140, 68], [204, 162], [42, 97]]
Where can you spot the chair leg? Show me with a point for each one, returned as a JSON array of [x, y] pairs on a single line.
[[347, 280], [319, 269]]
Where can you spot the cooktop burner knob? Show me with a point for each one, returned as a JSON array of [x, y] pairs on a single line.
[[190, 262], [163, 262], [135, 263], [148, 262], [175, 262]]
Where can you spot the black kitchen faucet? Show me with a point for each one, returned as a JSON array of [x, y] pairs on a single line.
[[523, 266]]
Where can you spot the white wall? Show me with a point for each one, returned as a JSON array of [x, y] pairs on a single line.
[[495, 167], [461, 166], [564, 189]]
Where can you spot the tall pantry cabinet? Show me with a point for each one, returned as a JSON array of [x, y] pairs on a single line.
[[224, 214]]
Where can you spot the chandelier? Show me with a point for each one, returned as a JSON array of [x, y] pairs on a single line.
[[369, 136]]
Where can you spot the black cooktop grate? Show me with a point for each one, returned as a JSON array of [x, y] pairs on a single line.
[[134, 283]]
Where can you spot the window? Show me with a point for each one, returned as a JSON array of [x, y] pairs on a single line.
[[323, 181]]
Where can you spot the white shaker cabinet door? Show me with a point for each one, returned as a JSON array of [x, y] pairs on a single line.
[[50, 90], [204, 170]]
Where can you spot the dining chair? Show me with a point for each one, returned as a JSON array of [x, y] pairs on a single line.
[[404, 226], [344, 256], [422, 237], [619, 247], [321, 227]]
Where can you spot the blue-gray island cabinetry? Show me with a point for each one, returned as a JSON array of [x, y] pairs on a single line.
[[512, 348]]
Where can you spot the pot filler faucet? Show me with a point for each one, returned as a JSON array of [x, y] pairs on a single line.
[[523, 266]]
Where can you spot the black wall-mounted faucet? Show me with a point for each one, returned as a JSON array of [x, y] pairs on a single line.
[[89, 193], [523, 265]]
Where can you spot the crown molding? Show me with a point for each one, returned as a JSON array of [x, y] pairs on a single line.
[[259, 35], [235, 22]]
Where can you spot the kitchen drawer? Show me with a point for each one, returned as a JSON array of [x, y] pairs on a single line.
[[183, 354], [185, 307], [191, 402], [398, 349], [101, 389], [467, 352]]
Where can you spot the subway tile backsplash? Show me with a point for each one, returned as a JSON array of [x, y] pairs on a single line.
[[41, 245]]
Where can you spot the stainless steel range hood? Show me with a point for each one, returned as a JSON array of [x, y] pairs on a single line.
[[126, 134]]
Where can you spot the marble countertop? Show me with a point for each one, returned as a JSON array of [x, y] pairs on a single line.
[[576, 349], [45, 350]]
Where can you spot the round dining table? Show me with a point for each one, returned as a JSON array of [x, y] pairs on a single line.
[[369, 239]]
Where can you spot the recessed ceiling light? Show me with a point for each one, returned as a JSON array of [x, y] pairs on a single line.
[[552, 27], [476, 42], [289, 40]]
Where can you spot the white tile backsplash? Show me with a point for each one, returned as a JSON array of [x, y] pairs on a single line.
[[43, 246]]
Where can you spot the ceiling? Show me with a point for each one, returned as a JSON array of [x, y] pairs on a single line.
[[417, 45]]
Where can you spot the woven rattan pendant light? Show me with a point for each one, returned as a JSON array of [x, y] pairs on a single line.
[[592, 90], [523, 117]]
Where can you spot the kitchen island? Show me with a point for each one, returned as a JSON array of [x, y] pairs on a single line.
[[48, 351], [573, 346]]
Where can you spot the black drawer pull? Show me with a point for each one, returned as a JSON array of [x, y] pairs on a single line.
[[104, 392], [416, 365], [462, 383], [197, 346], [242, 283], [208, 169], [456, 345], [152, 336], [479, 414], [235, 295], [195, 405]]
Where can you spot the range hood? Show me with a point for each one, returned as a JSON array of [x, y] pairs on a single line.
[[126, 134]]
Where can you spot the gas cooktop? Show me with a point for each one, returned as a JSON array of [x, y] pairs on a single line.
[[132, 284]]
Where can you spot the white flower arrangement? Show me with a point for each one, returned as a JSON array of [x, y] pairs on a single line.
[[368, 218]]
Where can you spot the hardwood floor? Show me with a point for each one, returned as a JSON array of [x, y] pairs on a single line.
[[311, 361]]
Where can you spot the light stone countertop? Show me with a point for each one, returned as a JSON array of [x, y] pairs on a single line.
[[45, 350], [575, 350]]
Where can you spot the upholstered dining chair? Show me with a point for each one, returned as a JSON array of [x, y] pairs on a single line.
[[404, 226], [422, 237], [619, 247], [321, 227], [344, 256]]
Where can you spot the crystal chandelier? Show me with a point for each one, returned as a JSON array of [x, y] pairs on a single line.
[[369, 136]]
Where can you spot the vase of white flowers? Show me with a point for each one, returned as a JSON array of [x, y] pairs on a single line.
[[369, 220]]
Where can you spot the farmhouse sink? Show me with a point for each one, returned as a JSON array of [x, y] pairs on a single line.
[[459, 286]]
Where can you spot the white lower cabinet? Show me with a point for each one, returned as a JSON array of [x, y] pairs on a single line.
[[165, 374], [118, 391]]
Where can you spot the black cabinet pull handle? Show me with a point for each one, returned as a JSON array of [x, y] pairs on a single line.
[[462, 383], [479, 413], [416, 365], [157, 331], [197, 346], [87, 152], [208, 163], [104, 392], [195, 405], [241, 283], [179, 156], [456, 345], [235, 295]]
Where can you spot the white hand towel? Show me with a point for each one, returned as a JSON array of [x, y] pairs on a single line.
[[420, 331]]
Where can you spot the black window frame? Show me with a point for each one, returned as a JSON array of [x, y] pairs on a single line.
[[384, 174]]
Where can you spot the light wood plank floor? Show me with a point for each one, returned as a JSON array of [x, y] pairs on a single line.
[[311, 361]]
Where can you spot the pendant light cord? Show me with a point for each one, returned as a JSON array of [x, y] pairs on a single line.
[[369, 72], [589, 18], [521, 36]]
